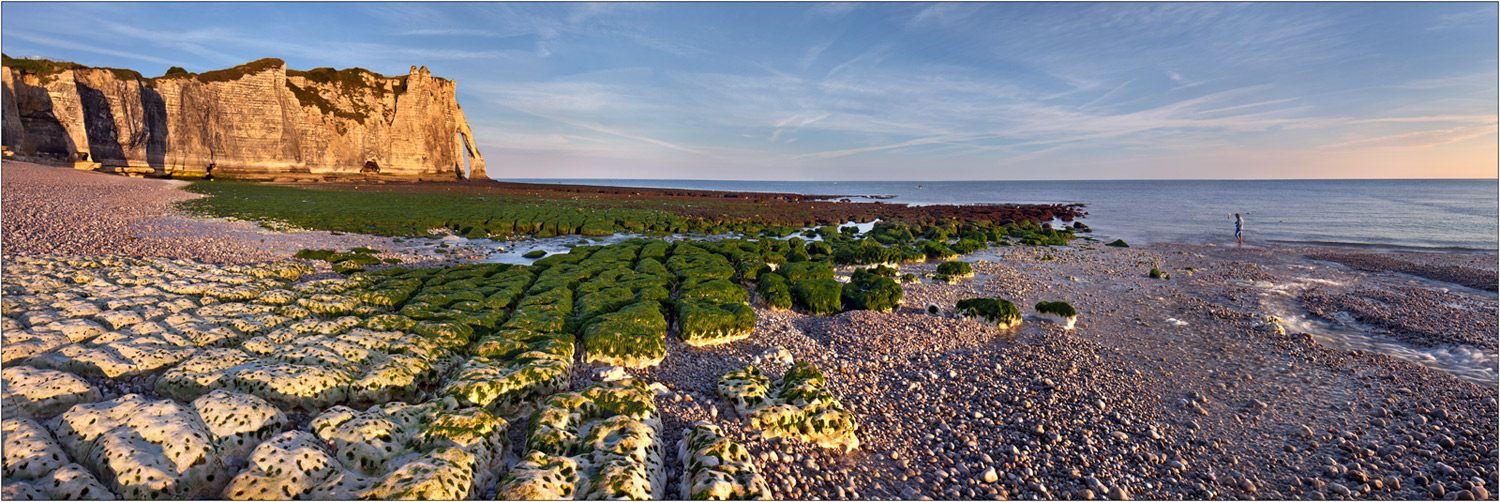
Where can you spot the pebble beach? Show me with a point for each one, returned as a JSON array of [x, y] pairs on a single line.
[[1254, 372]]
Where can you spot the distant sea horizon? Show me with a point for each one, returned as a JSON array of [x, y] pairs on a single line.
[[1457, 214]]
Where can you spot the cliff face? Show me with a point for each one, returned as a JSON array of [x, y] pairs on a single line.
[[257, 120]]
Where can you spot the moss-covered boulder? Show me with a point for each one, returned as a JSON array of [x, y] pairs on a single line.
[[995, 311], [1060, 313], [634, 336], [774, 291], [867, 291], [702, 323], [805, 270], [819, 296], [714, 291], [1119, 243], [955, 270]]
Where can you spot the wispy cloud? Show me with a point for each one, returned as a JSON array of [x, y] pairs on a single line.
[[1417, 140], [449, 32], [78, 46], [812, 54], [832, 11]]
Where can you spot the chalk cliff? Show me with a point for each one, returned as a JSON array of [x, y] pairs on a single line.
[[258, 120]]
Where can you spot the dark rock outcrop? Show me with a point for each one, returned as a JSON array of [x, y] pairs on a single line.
[[257, 120]]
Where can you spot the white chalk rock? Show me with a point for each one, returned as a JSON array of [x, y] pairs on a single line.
[[239, 422], [777, 355], [147, 449], [718, 468], [41, 393], [1065, 322], [611, 373]]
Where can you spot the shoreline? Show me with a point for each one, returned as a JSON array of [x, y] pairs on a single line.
[[1176, 388]]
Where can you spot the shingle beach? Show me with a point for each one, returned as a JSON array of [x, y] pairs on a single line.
[[1237, 378]]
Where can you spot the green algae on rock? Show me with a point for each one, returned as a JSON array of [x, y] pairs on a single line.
[[994, 311], [798, 405], [434, 450], [702, 323], [1060, 313], [599, 443], [868, 291], [718, 468]]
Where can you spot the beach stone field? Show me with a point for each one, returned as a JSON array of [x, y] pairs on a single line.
[[212, 364]]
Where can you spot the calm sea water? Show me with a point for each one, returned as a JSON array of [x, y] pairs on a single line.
[[1424, 214]]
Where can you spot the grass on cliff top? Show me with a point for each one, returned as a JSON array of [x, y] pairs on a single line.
[[46, 67]]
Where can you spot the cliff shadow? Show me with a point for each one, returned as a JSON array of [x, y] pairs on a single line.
[[40, 132], [99, 127], [155, 111]]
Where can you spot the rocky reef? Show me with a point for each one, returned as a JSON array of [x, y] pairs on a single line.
[[258, 120]]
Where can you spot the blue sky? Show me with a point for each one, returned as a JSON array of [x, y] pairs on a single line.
[[907, 91]]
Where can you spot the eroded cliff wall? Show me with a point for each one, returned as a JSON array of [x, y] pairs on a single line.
[[257, 120]]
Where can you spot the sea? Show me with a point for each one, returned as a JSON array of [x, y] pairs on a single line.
[[1437, 215]]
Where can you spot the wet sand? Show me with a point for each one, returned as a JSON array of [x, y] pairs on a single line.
[[1165, 388]]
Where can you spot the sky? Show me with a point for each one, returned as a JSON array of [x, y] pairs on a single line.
[[878, 91]]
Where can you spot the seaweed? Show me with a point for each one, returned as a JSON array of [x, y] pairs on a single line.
[[867, 291], [774, 291], [819, 296], [996, 311]]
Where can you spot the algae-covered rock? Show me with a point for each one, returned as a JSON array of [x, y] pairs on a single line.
[[994, 311], [748, 389], [804, 270], [1119, 243], [718, 468], [714, 291], [819, 296], [634, 336], [774, 291], [952, 270], [539, 476], [396, 450], [42, 393], [509, 386], [1060, 313], [701, 323], [599, 443], [798, 405], [868, 291], [294, 465]]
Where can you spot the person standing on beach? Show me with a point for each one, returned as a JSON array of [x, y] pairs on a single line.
[[1239, 225]]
